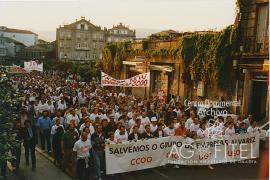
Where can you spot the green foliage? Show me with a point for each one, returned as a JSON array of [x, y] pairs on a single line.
[[9, 109], [86, 71], [112, 57], [209, 56]]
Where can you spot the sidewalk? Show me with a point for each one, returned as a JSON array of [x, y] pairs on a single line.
[[45, 170]]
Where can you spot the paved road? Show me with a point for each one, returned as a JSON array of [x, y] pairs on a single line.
[[45, 171]]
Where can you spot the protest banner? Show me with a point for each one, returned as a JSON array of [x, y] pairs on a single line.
[[141, 80], [152, 153], [33, 66]]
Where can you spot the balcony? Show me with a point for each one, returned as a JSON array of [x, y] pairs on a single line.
[[82, 48]]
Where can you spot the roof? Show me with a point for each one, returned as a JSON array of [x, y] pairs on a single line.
[[12, 40], [120, 26], [5, 29], [73, 25]]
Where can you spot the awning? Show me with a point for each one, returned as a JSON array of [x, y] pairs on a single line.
[[132, 63], [161, 68]]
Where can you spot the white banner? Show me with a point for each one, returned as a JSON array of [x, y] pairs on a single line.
[[33, 66], [152, 153], [141, 80]]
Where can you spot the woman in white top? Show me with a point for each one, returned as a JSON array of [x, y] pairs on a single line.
[[230, 129], [201, 132]]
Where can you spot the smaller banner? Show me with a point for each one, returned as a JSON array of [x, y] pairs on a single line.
[[141, 80], [33, 66]]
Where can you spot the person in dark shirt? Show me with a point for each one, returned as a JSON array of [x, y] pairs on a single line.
[[68, 140], [159, 132], [56, 143], [169, 116], [147, 134], [98, 145], [29, 134], [16, 150], [135, 135]]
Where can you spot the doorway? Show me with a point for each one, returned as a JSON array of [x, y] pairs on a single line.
[[258, 99]]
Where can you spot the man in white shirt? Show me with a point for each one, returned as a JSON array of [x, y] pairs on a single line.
[[82, 148], [55, 126], [144, 119], [194, 127], [132, 121], [94, 115], [189, 122], [73, 117], [169, 131], [122, 136], [253, 128], [42, 106]]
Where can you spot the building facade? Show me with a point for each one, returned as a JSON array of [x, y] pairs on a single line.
[[120, 33], [9, 48], [83, 41], [253, 61], [28, 38], [43, 50]]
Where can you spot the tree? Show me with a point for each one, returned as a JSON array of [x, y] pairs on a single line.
[[9, 109], [107, 60]]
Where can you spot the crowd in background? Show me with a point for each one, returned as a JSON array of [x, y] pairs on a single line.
[[73, 121]]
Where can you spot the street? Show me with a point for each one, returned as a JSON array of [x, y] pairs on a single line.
[[230, 171]]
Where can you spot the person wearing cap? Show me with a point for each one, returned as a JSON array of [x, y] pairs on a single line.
[[153, 124]]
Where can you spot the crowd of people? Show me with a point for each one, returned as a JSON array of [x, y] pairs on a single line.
[[74, 121]]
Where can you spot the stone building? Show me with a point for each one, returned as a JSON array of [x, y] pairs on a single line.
[[121, 33], [80, 41], [83, 41], [253, 60]]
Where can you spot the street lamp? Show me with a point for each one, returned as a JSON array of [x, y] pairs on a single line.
[[235, 64]]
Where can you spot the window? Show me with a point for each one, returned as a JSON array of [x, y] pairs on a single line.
[[2, 35], [14, 35], [94, 45], [262, 25], [82, 26], [78, 45]]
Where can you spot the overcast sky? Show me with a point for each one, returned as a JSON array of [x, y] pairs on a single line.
[[43, 17]]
